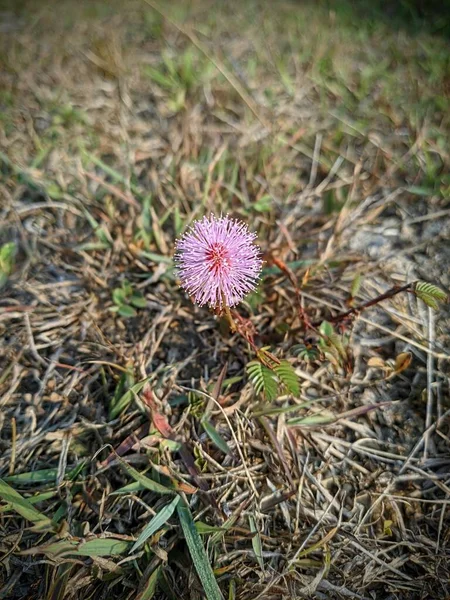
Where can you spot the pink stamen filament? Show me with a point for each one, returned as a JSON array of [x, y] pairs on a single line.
[[217, 257]]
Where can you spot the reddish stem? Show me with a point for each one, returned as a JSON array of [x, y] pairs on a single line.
[[358, 309]]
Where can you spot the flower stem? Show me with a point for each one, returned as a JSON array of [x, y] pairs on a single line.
[[229, 316]]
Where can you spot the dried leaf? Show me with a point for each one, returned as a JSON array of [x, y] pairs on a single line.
[[402, 361], [376, 362]]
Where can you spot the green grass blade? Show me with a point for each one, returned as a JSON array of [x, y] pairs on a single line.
[[205, 529], [24, 508], [256, 541], [156, 523], [42, 497], [215, 436], [59, 549], [103, 547], [311, 420], [149, 590], [157, 258], [119, 404], [92, 548], [127, 311], [198, 553], [147, 483], [41, 476], [115, 175], [32, 500], [130, 488]]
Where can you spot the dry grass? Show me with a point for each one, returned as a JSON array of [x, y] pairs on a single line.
[[119, 127]]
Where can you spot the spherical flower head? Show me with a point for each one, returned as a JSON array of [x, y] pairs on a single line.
[[218, 262]]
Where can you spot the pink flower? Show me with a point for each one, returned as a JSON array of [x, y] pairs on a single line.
[[217, 261]]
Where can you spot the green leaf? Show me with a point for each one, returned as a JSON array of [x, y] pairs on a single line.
[[116, 176], [432, 290], [92, 548], [356, 285], [92, 246], [420, 191], [326, 329], [25, 508], [127, 311], [263, 379], [332, 344], [198, 554], [256, 541], [149, 589], [41, 476], [171, 445], [306, 352], [157, 258], [162, 80], [42, 497], [119, 296], [127, 287], [145, 481], [7, 254], [156, 523], [130, 488], [430, 294], [288, 377], [429, 301], [264, 204], [337, 342], [125, 380], [103, 547], [73, 474], [312, 420], [229, 381], [232, 590], [53, 549], [118, 405], [138, 301], [100, 231], [204, 528], [215, 436], [32, 500]]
